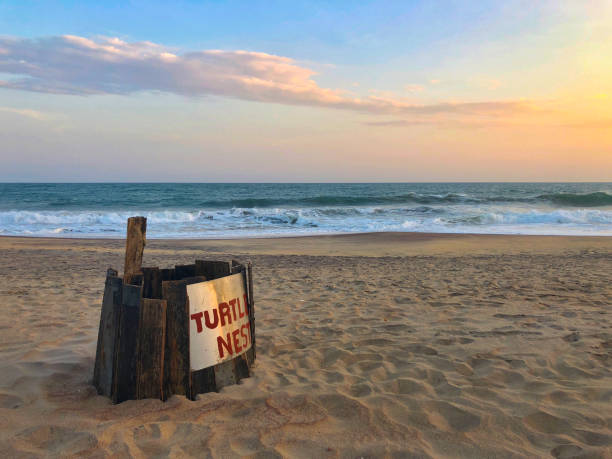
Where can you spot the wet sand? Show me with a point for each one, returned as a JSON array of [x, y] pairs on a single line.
[[380, 345]]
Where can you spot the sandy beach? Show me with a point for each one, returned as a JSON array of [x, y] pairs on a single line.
[[369, 345]]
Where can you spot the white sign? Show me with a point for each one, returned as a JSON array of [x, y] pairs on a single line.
[[219, 327]]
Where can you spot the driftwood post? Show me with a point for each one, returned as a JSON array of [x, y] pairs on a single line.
[[134, 248]]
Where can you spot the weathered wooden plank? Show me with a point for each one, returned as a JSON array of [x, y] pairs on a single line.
[[202, 381], [212, 269], [242, 366], [225, 374], [249, 273], [152, 283], [184, 271], [241, 363], [124, 376], [228, 373], [236, 267], [176, 358], [151, 345], [251, 353], [134, 247], [250, 356], [134, 279], [107, 334], [167, 274]]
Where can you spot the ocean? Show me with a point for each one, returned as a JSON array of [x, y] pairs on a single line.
[[228, 210]]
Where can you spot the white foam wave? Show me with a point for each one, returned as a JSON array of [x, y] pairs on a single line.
[[241, 222]]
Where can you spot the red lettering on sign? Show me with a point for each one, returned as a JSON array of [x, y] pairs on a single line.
[[245, 338], [224, 344], [198, 318], [246, 304], [237, 346], [207, 319], [240, 313], [224, 312], [233, 303]]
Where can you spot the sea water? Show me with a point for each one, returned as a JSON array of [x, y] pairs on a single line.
[[212, 210]]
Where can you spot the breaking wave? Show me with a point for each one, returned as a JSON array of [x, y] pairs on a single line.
[[240, 222], [597, 199], [568, 199]]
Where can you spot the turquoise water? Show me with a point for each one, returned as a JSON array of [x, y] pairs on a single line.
[[237, 210]]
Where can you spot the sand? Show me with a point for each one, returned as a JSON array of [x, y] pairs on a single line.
[[376, 345]]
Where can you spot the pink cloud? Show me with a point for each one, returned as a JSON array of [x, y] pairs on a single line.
[[77, 65]]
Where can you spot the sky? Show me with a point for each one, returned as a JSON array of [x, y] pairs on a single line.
[[326, 91]]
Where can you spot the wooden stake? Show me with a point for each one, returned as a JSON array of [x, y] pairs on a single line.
[[212, 269], [151, 344], [202, 381], [241, 363], [152, 283], [184, 271], [124, 376], [177, 365], [167, 274], [107, 334], [134, 247], [251, 353]]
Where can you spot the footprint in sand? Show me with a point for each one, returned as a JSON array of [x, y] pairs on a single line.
[[360, 390], [10, 401], [450, 417], [547, 423], [300, 409], [56, 440], [566, 451], [339, 406], [405, 386]]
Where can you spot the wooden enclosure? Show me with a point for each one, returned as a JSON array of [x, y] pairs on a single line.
[[143, 339]]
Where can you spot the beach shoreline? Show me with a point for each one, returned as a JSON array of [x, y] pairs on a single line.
[[350, 244]]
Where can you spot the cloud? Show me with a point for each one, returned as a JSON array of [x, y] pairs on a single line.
[[414, 88], [532, 119], [75, 65], [396, 123], [34, 114]]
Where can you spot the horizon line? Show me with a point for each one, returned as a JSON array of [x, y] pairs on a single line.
[[110, 182]]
